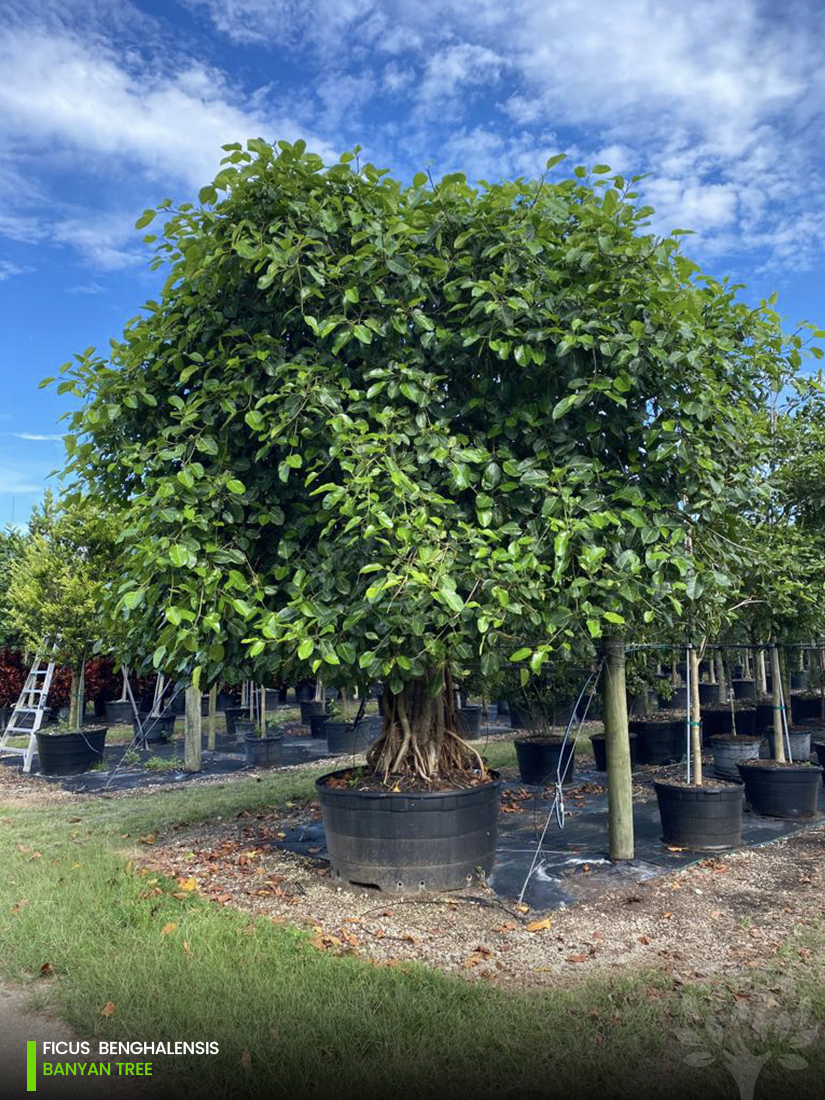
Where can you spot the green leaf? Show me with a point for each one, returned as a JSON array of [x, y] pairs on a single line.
[[235, 486], [306, 649], [207, 196], [521, 654]]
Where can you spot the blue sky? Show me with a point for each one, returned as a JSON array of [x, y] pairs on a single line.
[[108, 106]]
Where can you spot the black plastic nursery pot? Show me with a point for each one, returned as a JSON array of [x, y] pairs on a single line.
[[781, 790], [805, 706], [305, 692], [677, 701], [659, 742], [469, 721], [701, 819], [310, 707], [345, 737], [744, 689], [729, 750], [156, 728], [799, 681], [119, 713], [70, 753], [519, 717], [819, 749], [245, 727], [540, 761], [710, 695], [800, 743], [233, 715], [405, 843], [599, 743], [764, 718], [317, 724], [264, 752]]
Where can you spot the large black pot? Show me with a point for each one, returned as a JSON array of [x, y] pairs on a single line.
[[804, 706], [344, 737], [782, 790], [763, 720], [539, 762], [659, 742], [729, 750], [233, 715], [819, 749], [677, 701], [469, 721], [599, 743], [799, 681], [710, 695], [70, 753], [317, 724], [119, 713], [305, 692], [701, 819], [310, 707], [715, 721], [405, 843], [264, 752], [245, 727], [800, 741], [155, 728], [744, 689], [519, 717]]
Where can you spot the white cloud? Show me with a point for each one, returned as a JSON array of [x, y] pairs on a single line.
[[35, 438], [9, 269]]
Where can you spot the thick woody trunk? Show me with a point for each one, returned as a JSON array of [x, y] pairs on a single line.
[[76, 697], [420, 736], [617, 744], [778, 731]]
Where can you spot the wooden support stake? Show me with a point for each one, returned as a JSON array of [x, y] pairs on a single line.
[[192, 731], [778, 731], [212, 721], [617, 745], [695, 718]]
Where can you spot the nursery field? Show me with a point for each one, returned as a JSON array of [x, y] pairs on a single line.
[[106, 923]]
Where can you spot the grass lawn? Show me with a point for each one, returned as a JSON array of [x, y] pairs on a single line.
[[293, 1020]]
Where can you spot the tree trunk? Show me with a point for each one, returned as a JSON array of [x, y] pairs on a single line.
[[617, 746], [420, 735], [711, 669], [212, 720], [720, 675], [124, 694], [76, 697], [695, 719], [761, 674], [786, 685], [262, 724], [776, 676], [192, 731]]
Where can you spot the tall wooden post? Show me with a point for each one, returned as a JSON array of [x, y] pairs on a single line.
[[192, 731], [262, 723], [721, 680], [617, 745], [761, 674], [695, 719], [212, 721], [778, 732]]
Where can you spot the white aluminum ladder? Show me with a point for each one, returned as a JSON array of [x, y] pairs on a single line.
[[27, 716]]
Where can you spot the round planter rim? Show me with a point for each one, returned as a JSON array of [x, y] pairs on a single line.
[[258, 740], [674, 785], [769, 765], [72, 733], [347, 792]]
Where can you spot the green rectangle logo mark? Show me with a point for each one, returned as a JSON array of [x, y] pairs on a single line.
[[31, 1066]]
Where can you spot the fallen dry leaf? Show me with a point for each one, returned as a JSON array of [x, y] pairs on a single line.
[[108, 1009], [168, 929], [539, 925]]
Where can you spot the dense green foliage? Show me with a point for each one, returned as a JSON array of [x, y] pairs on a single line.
[[371, 430]]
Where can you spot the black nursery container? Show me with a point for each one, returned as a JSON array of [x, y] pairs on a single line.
[[782, 790], [599, 743], [310, 707], [469, 721], [406, 843], [264, 752], [539, 762], [119, 713], [70, 753], [233, 715], [317, 725], [677, 701], [156, 728], [701, 819], [744, 689], [659, 742], [345, 737]]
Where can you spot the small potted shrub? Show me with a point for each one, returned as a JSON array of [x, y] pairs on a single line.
[[544, 756]]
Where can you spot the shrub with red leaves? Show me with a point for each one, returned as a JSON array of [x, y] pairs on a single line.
[[12, 676]]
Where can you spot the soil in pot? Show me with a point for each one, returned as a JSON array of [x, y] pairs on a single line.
[[784, 790], [700, 819], [310, 707], [659, 742], [408, 842], [119, 713], [155, 728], [599, 743], [469, 721], [729, 750], [264, 752], [70, 753], [540, 760]]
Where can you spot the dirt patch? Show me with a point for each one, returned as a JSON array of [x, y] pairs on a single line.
[[718, 916]]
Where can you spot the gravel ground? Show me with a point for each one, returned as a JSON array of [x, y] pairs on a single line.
[[715, 917]]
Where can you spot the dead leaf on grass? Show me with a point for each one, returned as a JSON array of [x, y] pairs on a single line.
[[108, 1009]]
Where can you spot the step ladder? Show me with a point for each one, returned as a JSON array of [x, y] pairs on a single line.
[[27, 716]]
